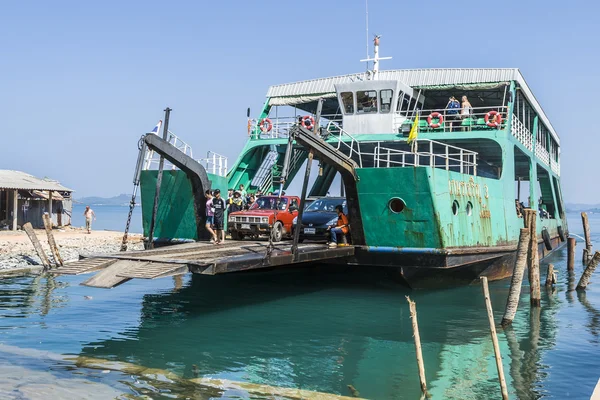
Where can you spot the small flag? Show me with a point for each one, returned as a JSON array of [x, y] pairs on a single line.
[[414, 132], [156, 129]]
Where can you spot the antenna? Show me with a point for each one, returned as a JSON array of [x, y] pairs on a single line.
[[367, 26]]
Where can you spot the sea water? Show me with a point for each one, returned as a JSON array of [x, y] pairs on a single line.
[[314, 330], [112, 218]]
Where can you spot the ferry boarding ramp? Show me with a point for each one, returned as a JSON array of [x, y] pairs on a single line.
[[200, 258]]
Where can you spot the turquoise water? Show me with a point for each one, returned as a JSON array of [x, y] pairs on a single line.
[[112, 218], [311, 330]]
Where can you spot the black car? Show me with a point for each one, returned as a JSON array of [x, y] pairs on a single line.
[[318, 216]]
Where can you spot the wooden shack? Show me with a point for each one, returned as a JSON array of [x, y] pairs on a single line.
[[25, 198]]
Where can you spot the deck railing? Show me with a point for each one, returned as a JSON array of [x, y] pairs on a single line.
[[216, 164], [451, 120], [280, 126], [521, 132]]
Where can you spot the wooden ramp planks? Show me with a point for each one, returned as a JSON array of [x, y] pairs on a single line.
[[154, 270], [83, 266], [109, 277]]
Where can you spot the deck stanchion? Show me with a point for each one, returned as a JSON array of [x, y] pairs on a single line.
[[36, 244], [415, 325], [490, 313], [589, 270], [587, 252], [514, 293], [571, 244], [533, 259], [550, 276], [51, 242], [161, 164]]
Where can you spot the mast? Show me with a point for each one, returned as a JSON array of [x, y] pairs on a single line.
[[374, 74]]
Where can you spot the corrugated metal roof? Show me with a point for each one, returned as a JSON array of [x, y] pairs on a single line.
[[21, 180], [418, 78]]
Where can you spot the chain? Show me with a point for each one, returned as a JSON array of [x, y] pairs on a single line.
[[131, 204]]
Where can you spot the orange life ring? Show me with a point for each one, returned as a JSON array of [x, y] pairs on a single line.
[[311, 122], [265, 128], [437, 115], [496, 119]]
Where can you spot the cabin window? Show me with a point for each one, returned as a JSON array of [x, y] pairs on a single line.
[[366, 101], [385, 99], [403, 101], [348, 101]]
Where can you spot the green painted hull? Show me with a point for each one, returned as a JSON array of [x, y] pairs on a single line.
[[176, 217]]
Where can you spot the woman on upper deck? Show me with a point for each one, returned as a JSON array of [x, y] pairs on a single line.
[[467, 109]]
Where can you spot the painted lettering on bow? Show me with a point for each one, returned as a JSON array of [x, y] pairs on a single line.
[[468, 189]]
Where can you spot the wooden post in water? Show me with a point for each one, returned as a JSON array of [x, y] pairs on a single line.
[[512, 301], [571, 244], [415, 326], [550, 278], [36, 245], [51, 242], [533, 259], [589, 270], [488, 305], [587, 252]]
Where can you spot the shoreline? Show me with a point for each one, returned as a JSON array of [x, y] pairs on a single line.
[[17, 254]]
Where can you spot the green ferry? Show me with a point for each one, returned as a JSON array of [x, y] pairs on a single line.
[[445, 205]]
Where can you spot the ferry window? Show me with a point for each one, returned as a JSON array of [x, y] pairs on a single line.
[[366, 101], [403, 101], [348, 100], [385, 98]]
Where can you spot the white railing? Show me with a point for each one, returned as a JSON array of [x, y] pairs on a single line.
[[444, 120], [433, 154], [280, 126], [555, 166], [152, 159], [345, 141], [542, 153], [522, 134], [216, 164]]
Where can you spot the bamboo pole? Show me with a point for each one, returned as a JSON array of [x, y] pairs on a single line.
[[550, 277], [534, 260], [415, 326], [587, 254], [589, 270], [512, 301], [490, 313], [571, 244], [51, 242], [36, 245]]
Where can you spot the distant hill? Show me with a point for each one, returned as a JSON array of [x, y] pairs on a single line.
[[120, 200], [578, 207]]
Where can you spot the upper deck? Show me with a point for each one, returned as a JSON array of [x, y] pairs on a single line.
[[501, 105]]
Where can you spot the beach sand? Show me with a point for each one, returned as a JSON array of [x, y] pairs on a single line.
[[16, 250]]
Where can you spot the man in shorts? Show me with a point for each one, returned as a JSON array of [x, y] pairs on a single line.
[[219, 216], [210, 212], [89, 214]]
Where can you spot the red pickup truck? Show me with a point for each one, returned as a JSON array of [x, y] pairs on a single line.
[[268, 213]]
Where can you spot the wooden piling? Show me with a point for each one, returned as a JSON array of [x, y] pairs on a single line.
[[512, 301], [36, 245], [488, 305], [587, 253], [589, 270], [550, 278], [571, 244], [51, 242], [533, 259], [415, 326]]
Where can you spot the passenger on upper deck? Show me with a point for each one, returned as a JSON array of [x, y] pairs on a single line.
[[466, 109], [452, 109]]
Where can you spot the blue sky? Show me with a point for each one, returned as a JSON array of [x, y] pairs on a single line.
[[81, 81]]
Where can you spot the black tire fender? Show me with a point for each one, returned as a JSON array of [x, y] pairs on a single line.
[[546, 237], [561, 233]]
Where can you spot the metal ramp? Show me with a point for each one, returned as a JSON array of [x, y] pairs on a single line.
[[203, 258]]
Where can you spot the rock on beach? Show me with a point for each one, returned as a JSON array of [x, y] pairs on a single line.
[[16, 250]]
